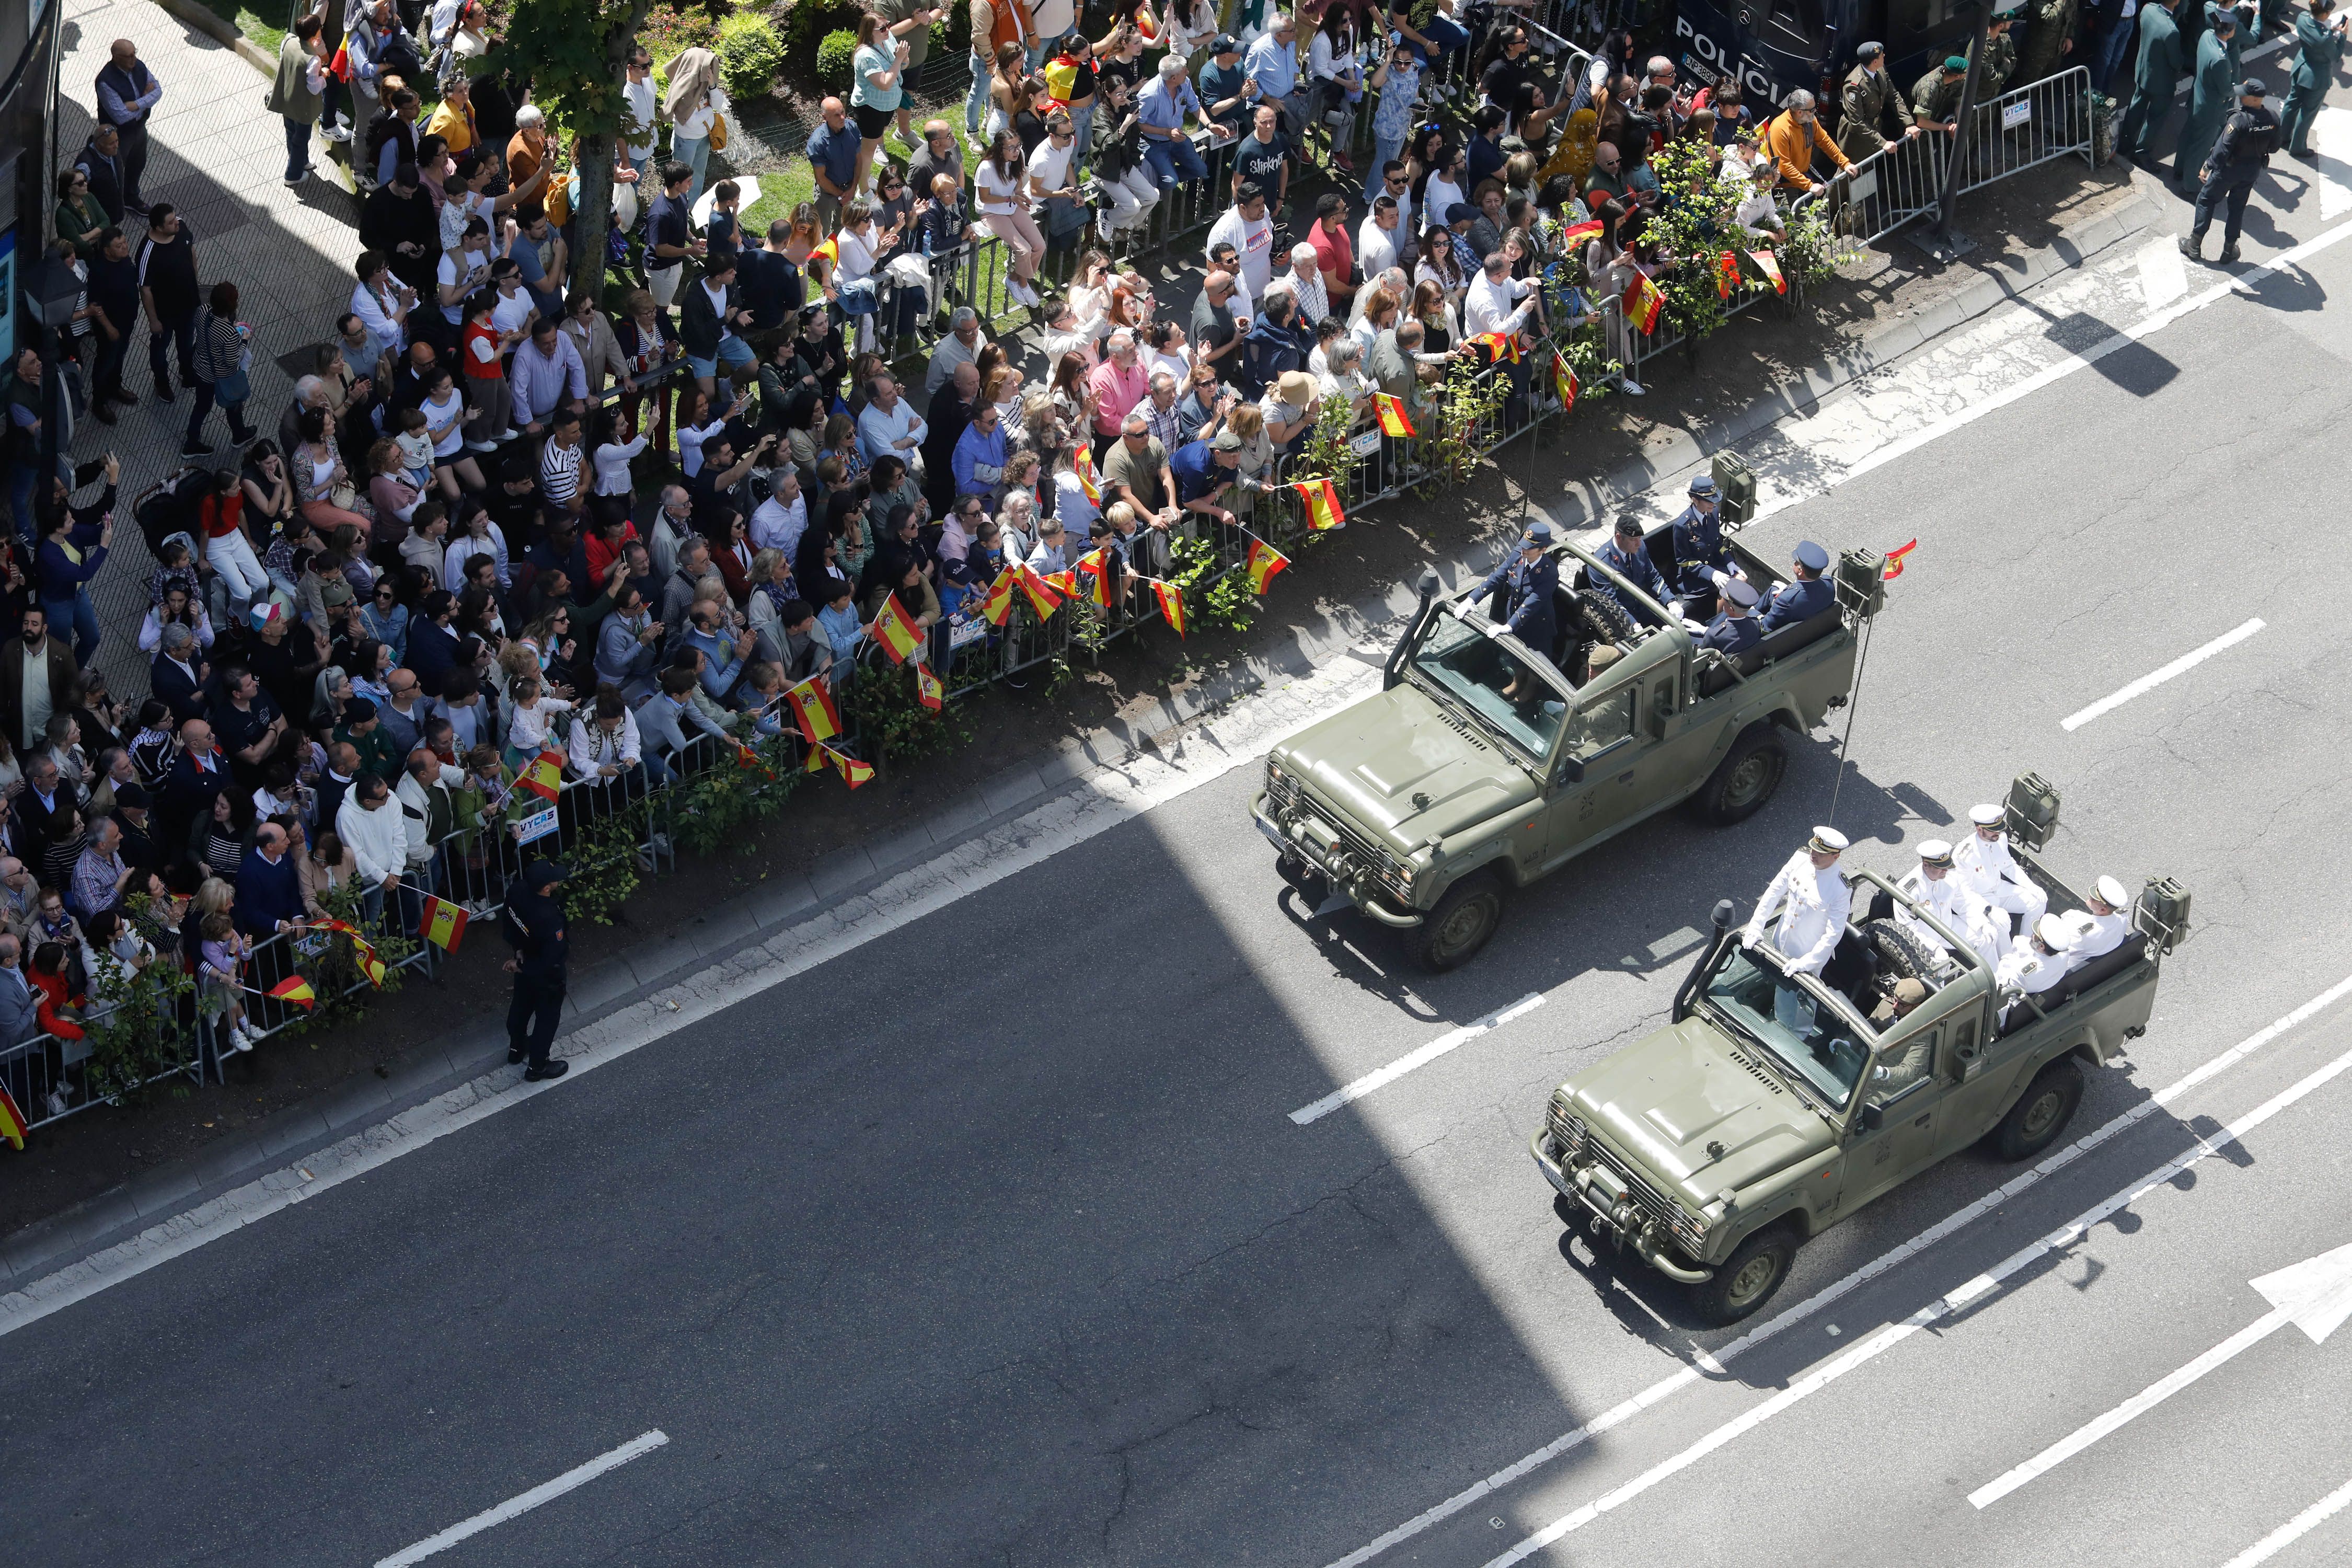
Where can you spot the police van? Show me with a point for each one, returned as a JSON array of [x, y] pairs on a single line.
[[1776, 47]]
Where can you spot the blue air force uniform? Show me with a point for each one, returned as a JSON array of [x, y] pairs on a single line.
[[1801, 598], [1522, 591], [1733, 634], [1633, 562]]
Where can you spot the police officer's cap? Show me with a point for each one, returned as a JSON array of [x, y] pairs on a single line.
[[1811, 556], [2251, 88], [1702, 486], [2056, 934], [1738, 591], [1935, 852], [1628, 525], [541, 875], [1987, 816], [1827, 841], [2108, 891], [1956, 62], [1537, 534]]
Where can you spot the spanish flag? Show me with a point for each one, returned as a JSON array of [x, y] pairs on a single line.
[[1580, 231], [1322, 504], [830, 250], [1061, 76], [1083, 465], [1390, 414], [1263, 562], [1096, 567], [442, 923], [1894, 561], [1500, 346], [1563, 380], [1063, 585], [812, 704], [896, 633], [1171, 604], [1041, 594], [852, 772], [928, 689], [1727, 274], [543, 775], [12, 1120], [1770, 269], [1642, 302], [296, 990], [996, 605]]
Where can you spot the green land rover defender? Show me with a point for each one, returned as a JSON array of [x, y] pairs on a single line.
[[1483, 763], [1711, 1148]]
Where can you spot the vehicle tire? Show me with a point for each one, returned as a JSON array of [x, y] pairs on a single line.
[[2041, 1113], [1902, 951], [1465, 916], [1606, 617], [1746, 778], [1747, 1278]]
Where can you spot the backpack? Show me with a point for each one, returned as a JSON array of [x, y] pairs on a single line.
[[171, 506]]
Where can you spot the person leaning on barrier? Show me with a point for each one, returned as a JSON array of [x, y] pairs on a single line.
[[1795, 139], [1874, 107], [1935, 97], [2242, 152]]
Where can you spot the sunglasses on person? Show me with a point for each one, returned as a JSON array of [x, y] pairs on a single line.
[[384, 596]]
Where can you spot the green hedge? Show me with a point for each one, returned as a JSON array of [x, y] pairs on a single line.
[[750, 54]]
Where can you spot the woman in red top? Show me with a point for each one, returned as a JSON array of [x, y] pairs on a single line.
[[479, 355], [227, 551], [47, 975]]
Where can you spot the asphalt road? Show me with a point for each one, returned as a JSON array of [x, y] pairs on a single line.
[[1029, 1265]]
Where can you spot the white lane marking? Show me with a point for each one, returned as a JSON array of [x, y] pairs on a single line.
[[2150, 681], [546, 1491], [1955, 1221], [2163, 272], [1105, 801], [1418, 1058], [1942, 1307], [2331, 138], [2293, 1529]]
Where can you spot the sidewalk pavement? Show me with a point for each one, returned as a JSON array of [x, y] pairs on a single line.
[[219, 157]]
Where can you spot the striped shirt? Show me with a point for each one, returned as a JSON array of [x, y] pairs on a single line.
[[558, 471]]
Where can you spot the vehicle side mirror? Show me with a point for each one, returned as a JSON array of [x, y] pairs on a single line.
[[1571, 771], [1722, 915], [1873, 1117]]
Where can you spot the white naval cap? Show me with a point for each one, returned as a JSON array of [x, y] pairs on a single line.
[[1987, 816], [1935, 852], [2056, 934], [2111, 893], [1828, 841]]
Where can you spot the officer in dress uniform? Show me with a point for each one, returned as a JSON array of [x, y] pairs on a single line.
[[2215, 77], [1988, 870], [534, 924], [1519, 592], [1733, 629], [2239, 154], [1804, 595], [2102, 929], [2038, 960], [1814, 904], [1700, 554], [2320, 48], [1943, 897], [1627, 554]]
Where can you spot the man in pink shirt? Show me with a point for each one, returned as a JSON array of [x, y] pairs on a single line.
[[1119, 382]]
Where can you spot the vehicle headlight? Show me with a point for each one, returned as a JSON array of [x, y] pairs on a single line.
[[1274, 772]]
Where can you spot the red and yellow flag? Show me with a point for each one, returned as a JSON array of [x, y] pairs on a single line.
[[1083, 465], [13, 1125], [812, 704], [297, 990], [1642, 303], [1322, 504], [1580, 231], [852, 772], [1171, 604], [1895, 561], [830, 250], [1501, 345], [1095, 566], [928, 691], [1563, 380], [1060, 77], [1062, 584], [1727, 274], [895, 631], [996, 604], [1041, 594], [1770, 269], [1390, 414], [543, 775], [1262, 563], [442, 923]]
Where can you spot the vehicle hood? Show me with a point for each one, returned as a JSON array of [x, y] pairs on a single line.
[[1665, 1098], [1373, 759]]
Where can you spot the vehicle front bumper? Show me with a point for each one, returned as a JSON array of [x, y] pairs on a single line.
[[1619, 1222], [1355, 884]]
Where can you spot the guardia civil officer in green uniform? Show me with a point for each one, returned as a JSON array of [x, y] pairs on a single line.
[[2162, 58], [2230, 171], [2322, 45], [2245, 12], [2049, 39], [1873, 109], [2210, 100]]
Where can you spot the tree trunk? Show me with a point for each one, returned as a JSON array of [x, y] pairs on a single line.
[[592, 216]]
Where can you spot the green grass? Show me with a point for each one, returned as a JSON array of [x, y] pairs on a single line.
[[268, 35]]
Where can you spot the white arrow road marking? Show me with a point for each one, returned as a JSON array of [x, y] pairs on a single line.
[[1411, 1060], [2149, 682], [546, 1491], [2293, 1529], [2315, 1295]]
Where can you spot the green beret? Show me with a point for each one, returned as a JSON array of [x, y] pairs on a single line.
[[1956, 62]]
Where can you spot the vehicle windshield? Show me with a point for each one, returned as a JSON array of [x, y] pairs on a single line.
[[1812, 1038], [1491, 680]]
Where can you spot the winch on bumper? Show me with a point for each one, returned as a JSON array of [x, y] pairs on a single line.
[[1615, 1209], [1375, 884]]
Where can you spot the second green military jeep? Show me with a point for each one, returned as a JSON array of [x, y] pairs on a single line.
[[1773, 1105], [1483, 763]]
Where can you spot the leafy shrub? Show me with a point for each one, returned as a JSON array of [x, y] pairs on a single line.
[[750, 54], [836, 58]]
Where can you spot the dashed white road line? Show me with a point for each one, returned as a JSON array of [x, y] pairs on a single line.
[[1422, 1057], [2294, 1529], [635, 1447], [2150, 681]]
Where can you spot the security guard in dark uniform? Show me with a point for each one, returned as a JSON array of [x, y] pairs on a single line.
[[1700, 550], [534, 924], [1628, 555], [1734, 630], [2248, 139], [1805, 595], [1519, 592]]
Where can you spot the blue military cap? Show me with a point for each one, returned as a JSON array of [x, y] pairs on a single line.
[[1537, 534], [1702, 486], [1811, 556], [1738, 591]]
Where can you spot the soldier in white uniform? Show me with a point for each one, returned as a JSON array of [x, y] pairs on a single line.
[[2104, 928], [1988, 870], [1945, 898], [2038, 962], [1814, 904]]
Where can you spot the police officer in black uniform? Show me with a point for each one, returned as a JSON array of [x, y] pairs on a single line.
[[1519, 592], [535, 925], [2248, 139]]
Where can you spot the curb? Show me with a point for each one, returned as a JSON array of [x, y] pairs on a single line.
[[220, 32], [466, 1053]]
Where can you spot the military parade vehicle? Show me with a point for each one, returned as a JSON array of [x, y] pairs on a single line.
[[1484, 764], [1774, 1104]]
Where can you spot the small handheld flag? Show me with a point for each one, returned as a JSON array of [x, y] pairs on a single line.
[[1563, 380], [1391, 412], [1042, 597], [1083, 465], [1322, 504], [895, 631], [1894, 563], [1095, 566], [830, 250], [1771, 269], [1727, 274], [852, 772], [1642, 303], [12, 1120], [812, 704], [928, 691], [443, 923], [996, 604], [1171, 604], [1579, 231], [1499, 345], [1262, 562], [543, 775]]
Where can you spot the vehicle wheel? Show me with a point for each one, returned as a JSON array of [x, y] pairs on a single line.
[[1902, 949], [1747, 1278], [1746, 778], [1606, 617], [2042, 1112], [1465, 916]]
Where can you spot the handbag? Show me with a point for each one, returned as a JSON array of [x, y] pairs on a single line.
[[234, 387], [719, 132]]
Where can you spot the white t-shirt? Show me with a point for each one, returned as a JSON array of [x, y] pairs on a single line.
[[1175, 365], [444, 421], [1254, 244], [1055, 17], [643, 113], [513, 311], [697, 124], [1441, 197], [1050, 167], [998, 198], [1376, 247], [473, 277]]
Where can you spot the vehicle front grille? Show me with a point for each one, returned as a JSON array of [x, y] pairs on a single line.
[[1568, 1132], [1366, 854], [1281, 791], [1682, 1226]]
